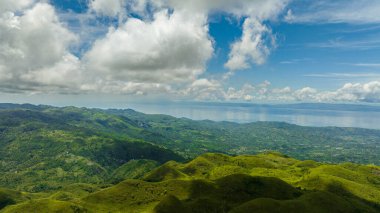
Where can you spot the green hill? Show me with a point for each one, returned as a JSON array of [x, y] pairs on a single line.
[[343, 179], [90, 160], [46, 149], [219, 183]]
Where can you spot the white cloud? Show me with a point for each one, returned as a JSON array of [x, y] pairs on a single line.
[[162, 53], [137, 56], [355, 92], [255, 45], [339, 11], [362, 43], [344, 75], [306, 93], [171, 48], [65, 73], [376, 65], [203, 89], [14, 5], [351, 92], [108, 7], [130, 88], [253, 8], [257, 39], [155, 53], [31, 43]]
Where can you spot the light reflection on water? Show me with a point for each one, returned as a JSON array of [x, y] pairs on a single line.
[[246, 114]]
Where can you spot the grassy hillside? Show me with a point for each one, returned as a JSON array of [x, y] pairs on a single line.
[[44, 148], [77, 160], [220, 183], [344, 179]]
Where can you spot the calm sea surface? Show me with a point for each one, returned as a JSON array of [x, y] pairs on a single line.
[[340, 116]]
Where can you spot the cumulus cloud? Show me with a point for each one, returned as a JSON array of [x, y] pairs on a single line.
[[166, 48], [349, 92], [12, 5], [354, 92], [64, 73], [161, 52], [255, 45], [34, 48], [205, 89], [257, 40], [171, 48], [127, 88]]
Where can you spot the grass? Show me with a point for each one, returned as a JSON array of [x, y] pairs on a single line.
[[220, 183], [44, 206], [315, 202]]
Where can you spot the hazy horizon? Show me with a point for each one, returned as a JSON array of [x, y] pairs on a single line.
[[305, 114]]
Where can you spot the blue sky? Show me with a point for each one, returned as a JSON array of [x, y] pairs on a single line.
[[255, 51], [306, 54]]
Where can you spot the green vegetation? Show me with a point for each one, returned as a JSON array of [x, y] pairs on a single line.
[[212, 183], [134, 169], [44, 151], [357, 180], [90, 160], [314, 202], [45, 206]]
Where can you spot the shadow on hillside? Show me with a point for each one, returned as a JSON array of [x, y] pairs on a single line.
[[338, 189], [243, 193], [227, 193]]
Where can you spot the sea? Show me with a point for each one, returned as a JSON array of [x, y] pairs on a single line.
[[317, 115]]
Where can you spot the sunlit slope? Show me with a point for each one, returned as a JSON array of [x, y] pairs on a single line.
[[343, 179], [235, 193], [219, 183]]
